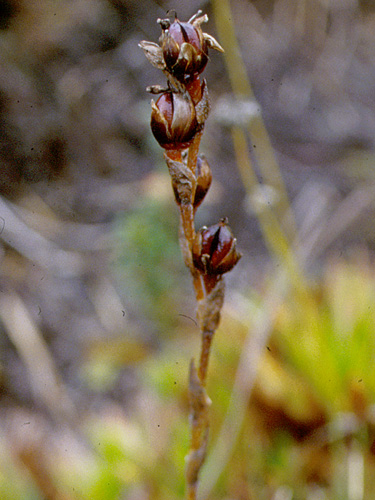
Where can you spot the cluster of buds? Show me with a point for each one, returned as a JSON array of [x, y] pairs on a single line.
[[177, 119], [180, 111]]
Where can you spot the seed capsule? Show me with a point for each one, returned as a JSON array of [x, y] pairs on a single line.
[[214, 249], [184, 48], [173, 120]]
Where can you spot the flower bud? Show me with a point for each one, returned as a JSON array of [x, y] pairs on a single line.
[[214, 249], [184, 48], [204, 178], [173, 120]]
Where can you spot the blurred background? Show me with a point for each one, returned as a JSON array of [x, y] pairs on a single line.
[[97, 314]]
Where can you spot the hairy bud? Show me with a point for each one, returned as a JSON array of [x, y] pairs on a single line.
[[214, 249], [173, 120]]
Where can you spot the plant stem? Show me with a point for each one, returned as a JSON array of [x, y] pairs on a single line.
[[194, 150], [199, 406], [207, 337], [187, 218], [177, 119]]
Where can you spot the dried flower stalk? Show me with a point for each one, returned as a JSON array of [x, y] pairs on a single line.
[[177, 122]]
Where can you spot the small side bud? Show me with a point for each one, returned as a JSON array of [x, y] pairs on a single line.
[[204, 178], [182, 181], [214, 249], [173, 120]]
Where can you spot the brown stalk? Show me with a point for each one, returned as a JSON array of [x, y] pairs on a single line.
[[177, 122]]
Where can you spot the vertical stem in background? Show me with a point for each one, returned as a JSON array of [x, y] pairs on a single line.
[[263, 152], [276, 223], [271, 228]]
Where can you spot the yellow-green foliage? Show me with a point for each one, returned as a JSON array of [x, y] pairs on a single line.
[[335, 351]]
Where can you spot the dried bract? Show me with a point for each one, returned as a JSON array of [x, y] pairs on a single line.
[[153, 53], [204, 178], [212, 43], [202, 107], [182, 181]]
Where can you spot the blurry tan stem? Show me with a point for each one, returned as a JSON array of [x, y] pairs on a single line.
[[28, 340], [278, 231], [256, 129], [273, 232]]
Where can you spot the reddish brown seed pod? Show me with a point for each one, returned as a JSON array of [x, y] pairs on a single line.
[[214, 249], [173, 120], [184, 48]]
